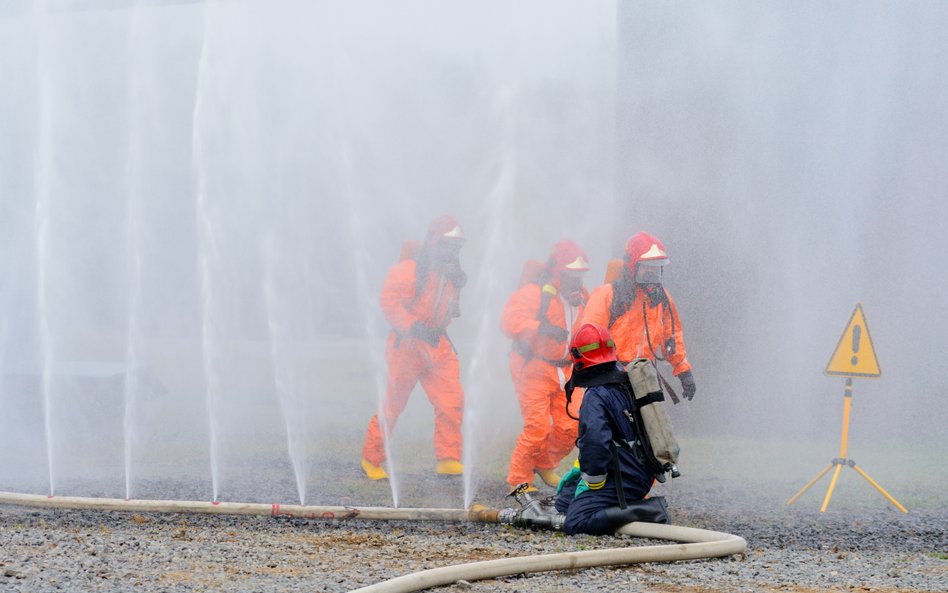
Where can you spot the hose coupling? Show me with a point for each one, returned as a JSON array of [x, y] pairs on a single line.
[[507, 516]]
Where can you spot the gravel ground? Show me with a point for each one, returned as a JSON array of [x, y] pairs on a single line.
[[860, 544]]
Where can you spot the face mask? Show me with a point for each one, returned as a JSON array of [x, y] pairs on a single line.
[[448, 253], [572, 288], [575, 298], [654, 293], [646, 274]]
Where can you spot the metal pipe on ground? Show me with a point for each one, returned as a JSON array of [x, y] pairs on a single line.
[[694, 543]]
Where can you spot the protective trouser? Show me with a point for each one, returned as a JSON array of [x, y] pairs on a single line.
[[438, 371], [585, 515], [548, 434], [564, 497]]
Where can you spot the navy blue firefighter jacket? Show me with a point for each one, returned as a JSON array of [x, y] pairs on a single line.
[[602, 420]]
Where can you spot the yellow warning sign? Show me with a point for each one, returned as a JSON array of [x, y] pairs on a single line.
[[854, 355]]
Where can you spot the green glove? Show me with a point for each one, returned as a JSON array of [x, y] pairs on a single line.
[[580, 488], [571, 477]]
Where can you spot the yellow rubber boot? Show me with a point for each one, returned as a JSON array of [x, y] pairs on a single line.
[[549, 477], [372, 471], [450, 467]]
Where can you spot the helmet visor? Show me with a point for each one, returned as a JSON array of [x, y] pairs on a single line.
[[648, 273]]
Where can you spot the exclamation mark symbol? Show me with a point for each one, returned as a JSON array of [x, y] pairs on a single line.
[[857, 331]]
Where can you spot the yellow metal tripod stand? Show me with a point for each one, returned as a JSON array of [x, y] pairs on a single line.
[[841, 461]]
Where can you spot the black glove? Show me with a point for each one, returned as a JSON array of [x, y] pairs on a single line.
[[687, 385], [553, 331], [420, 331]]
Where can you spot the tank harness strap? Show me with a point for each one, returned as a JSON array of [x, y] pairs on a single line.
[[619, 441], [632, 447], [640, 447], [547, 291], [666, 386], [651, 398], [400, 336], [568, 388], [421, 279], [617, 476], [621, 301], [670, 344]]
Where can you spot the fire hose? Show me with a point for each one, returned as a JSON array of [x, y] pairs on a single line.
[[694, 543]]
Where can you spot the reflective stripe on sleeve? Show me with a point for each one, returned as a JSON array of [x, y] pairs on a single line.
[[593, 479]]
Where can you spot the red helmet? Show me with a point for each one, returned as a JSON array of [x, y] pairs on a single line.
[[645, 248], [567, 255], [444, 228], [591, 345]]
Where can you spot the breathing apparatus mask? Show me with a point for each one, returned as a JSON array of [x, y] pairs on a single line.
[[571, 286], [649, 276], [447, 258], [448, 251]]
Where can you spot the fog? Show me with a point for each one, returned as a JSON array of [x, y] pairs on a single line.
[[199, 202]]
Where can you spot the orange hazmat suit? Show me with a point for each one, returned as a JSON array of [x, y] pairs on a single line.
[[419, 351], [540, 366], [644, 329]]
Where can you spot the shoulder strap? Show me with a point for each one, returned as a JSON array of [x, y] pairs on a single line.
[[621, 301], [421, 275], [547, 292]]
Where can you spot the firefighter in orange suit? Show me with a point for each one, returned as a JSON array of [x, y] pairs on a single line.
[[539, 318], [639, 312], [419, 299]]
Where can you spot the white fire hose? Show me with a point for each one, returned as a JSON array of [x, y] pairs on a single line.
[[695, 543]]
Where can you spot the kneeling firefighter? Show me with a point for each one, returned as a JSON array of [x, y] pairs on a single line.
[[616, 469], [618, 459]]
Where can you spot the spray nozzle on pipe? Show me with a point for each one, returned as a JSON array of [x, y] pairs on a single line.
[[533, 513]]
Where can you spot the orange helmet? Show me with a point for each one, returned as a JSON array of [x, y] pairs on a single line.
[[592, 345], [644, 248]]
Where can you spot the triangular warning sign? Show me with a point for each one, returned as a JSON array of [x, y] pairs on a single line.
[[854, 355]]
